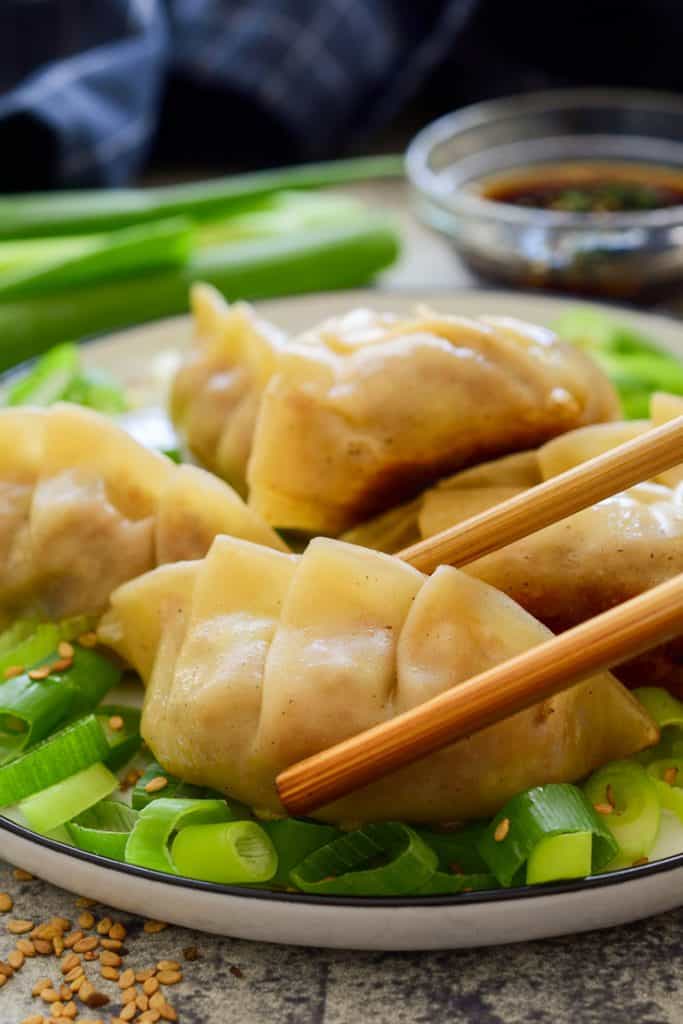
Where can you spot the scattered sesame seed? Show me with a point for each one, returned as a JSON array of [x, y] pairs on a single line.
[[6, 902], [88, 639], [86, 903], [639, 861], [127, 979], [12, 671], [169, 977], [603, 808], [65, 650], [61, 665], [104, 925], [191, 953], [236, 971], [116, 723], [671, 774], [86, 919], [502, 829]]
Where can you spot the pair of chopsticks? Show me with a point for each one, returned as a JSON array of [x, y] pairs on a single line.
[[600, 643]]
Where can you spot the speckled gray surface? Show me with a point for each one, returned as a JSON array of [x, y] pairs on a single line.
[[623, 974]]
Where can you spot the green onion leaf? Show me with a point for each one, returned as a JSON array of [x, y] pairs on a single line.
[[551, 810], [66, 213], [32, 650], [123, 743], [49, 380], [294, 840], [166, 243], [457, 849], [52, 807], [31, 708], [634, 821], [103, 829], [64, 754], [230, 853], [348, 866], [147, 844], [443, 883], [15, 634], [174, 788]]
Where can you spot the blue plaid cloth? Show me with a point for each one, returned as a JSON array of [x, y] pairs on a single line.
[[82, 81]]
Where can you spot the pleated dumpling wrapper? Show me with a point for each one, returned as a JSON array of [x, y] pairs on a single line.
[[372, 406], [370, 415], [84, 507], [585, 564], [254, 659], [216, 393]]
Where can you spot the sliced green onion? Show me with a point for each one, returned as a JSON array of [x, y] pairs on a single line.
[[630, 791], [231, 853], [15, 634], [566, 855], [457, 849], [528, 818], [670, 798], [31, 708], [660, 705], [32, 649], [52, 807], [103, 829], [64, 754], [443, 883], [124, 743], [148, 842], [48, 381], [347, 866], [294, 840]]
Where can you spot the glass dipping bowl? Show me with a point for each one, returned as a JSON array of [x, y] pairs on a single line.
[[617, 254]]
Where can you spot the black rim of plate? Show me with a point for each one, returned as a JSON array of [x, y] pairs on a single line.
[[657, 867]]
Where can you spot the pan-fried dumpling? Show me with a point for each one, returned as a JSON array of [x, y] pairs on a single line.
[[262, 658], [216, 394], [370, 418], [590, 561], [84, 507], [372, 406]]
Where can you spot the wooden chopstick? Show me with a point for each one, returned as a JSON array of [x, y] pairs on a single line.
[[646, 456], [600, 643]]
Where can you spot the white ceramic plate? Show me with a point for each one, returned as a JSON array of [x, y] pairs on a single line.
[[143, 357]]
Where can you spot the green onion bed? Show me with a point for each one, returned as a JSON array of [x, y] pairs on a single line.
[[66, 752]]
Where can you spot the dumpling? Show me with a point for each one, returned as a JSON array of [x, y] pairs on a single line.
[[588, 562], [372, 406], [371, 418], [254, 659], [216, 394], [84, 507]]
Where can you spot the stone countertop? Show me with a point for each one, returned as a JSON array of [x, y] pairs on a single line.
[[628, 973]]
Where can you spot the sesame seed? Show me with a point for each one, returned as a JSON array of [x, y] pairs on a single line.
[[6, 902], [39, 673], [86, 919], [62, 665], [670, 775], [157, 783], [13, 670], [19, 927], [65, 650], [603, 808], [502, 829], [88, 639], [639, 861], [116, 723]]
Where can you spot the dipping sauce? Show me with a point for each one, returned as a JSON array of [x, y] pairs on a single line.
[[586, 187]]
